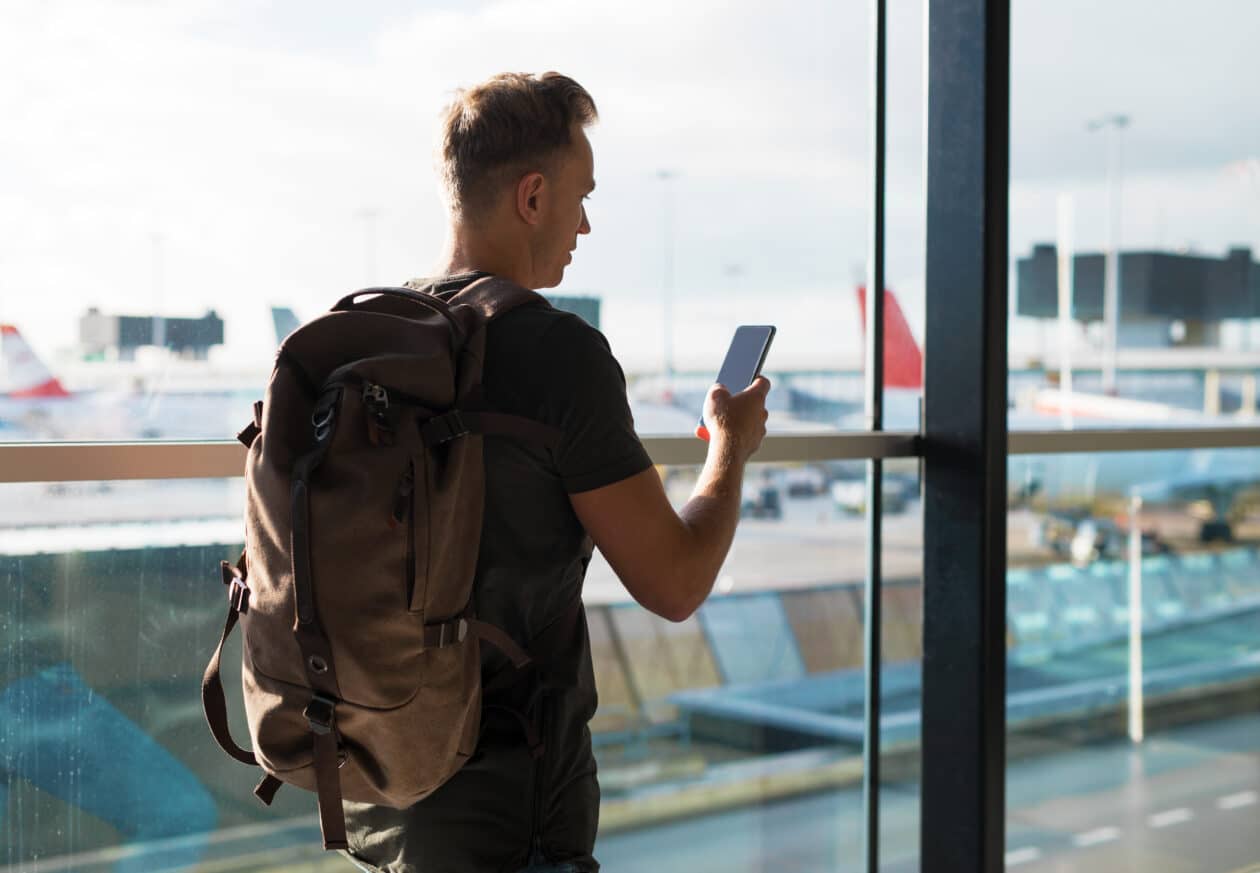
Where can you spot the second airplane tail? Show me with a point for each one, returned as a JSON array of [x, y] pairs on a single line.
[[903, 359], [23, 373]]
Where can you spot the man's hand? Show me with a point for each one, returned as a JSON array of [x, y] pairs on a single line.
[[737, 422]]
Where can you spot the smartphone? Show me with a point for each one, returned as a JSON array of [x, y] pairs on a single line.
[[744, 358]]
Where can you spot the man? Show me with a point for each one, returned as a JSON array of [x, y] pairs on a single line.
[[516, 168]]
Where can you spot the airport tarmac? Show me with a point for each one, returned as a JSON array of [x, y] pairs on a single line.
[[1185, 801]]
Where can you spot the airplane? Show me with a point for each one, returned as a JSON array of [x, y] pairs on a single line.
[[1222, 481], [35, 404]]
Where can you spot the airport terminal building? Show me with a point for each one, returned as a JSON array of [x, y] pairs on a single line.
[[994, 598]]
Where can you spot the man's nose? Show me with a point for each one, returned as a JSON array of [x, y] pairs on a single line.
[[585, 226]]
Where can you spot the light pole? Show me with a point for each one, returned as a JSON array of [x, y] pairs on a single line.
[[159, 302], [1113, 124], [667, 277], [1137, 728]]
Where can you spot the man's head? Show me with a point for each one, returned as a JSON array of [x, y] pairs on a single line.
[[516, 165]]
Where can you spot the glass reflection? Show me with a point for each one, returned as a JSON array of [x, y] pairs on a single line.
[[712, 735], [1103, 773], [1135, 275]]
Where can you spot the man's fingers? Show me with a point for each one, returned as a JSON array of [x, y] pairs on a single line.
[[760, 385]]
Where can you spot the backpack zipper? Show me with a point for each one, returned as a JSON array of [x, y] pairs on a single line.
[[404, 511], [376, 394]]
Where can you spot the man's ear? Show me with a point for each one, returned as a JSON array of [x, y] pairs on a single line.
[[529, 192]]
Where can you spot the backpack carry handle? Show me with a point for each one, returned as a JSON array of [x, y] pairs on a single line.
[[427, 300]]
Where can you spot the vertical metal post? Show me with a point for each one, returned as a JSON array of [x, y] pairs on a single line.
[[964, 514], [873, 617], [1137, 729], [1067, 293]]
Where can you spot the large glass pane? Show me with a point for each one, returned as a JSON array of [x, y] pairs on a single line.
[[1129, 196], [905, 219], [112, 606], [731, 739], [192, 180], [1143, 562], [902, 636]]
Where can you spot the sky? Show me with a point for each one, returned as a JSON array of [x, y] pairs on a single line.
[[194, 154]]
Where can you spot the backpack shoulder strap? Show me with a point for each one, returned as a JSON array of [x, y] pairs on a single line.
[[494, 296]]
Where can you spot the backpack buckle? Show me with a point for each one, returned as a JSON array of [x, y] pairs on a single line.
[[238, 596], [444, 428], [325, 413], [238, 589], [319, 714], [375, 398], [459, 630]]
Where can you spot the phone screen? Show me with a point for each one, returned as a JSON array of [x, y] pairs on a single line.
[[743, 362]]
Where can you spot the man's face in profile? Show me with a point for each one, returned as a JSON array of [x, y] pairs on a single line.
[[563, 211]]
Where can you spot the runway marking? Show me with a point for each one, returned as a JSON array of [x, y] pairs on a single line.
[[1022, 856], [1237, 801], [1170, 817], [1096, 836]]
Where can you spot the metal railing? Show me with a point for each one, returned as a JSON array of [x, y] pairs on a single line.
[[210, 459]]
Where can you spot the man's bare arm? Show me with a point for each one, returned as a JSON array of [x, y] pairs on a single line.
[[668, 560]]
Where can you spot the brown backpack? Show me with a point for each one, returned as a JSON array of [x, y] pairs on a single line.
[[365, 489]]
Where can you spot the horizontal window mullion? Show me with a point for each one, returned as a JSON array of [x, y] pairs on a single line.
[[88, 462], [94, 462], [796, 447], [214, 459], [1056, 442]]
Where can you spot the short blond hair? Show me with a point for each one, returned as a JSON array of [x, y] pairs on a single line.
[[502, 128]]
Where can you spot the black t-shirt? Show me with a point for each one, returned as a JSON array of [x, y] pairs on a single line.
[[553, 367]]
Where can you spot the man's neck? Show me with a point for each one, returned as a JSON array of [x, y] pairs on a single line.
[[470, 252]]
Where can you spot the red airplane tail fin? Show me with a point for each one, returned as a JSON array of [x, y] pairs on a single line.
[[24, 374], [903, 359]]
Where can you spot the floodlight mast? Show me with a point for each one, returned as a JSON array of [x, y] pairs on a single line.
[[1113, 124], [667, 278]]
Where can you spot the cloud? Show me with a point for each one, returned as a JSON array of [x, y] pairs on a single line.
[[1187, 76], [222, 154]]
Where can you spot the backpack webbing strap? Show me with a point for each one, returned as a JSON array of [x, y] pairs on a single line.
[[267, 788], [458, 422], [321, 716], [407, 295], [250, 432], [493, 296], [317, 657], [498, 638], [537, 746], [543, 647], [215, 705]]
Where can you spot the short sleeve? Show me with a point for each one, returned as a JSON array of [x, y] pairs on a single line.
[[585, 396]]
